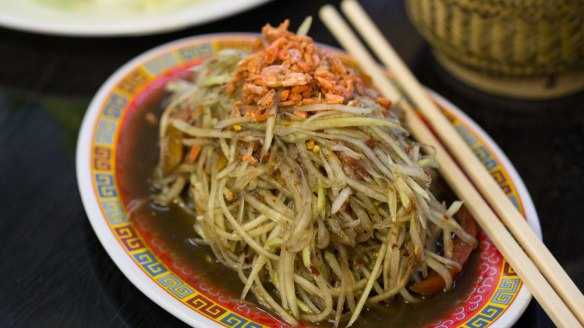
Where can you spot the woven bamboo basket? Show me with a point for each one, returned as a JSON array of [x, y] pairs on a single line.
[[524, 48]]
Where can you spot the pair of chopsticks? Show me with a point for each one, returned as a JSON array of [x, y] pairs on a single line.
[[558, 295]]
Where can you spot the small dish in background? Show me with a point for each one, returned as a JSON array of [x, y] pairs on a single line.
[[61, 17]]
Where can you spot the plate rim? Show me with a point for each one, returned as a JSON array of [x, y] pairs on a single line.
[[144, 283], [191, 15]]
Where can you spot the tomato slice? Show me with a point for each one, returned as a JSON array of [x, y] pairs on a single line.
[[172, 150], [460, 253]]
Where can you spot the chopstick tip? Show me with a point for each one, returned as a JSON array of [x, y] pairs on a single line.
[[326, 11], [347, 4]]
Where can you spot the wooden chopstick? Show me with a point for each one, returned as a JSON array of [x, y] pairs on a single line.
[[484, 215], [482, 179]]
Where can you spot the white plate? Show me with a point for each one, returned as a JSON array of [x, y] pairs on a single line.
[[498, 296], [35, 16]]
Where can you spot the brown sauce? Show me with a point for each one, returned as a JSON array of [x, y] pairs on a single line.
[[175, 227]]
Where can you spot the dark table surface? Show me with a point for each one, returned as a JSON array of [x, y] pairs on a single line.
[[55, 273]]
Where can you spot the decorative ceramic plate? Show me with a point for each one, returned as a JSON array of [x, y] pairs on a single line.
[[109, 18], [496, 296]]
